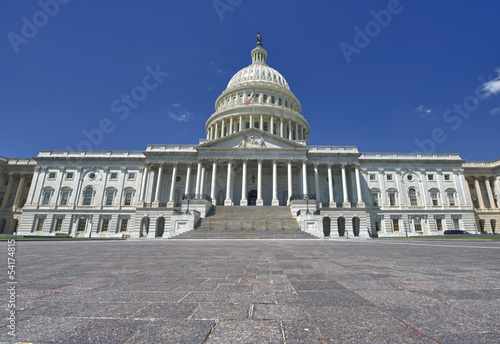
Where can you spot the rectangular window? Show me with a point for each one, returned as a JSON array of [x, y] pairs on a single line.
[[434, 198], [46, 197], [128, 198], [104, 225], [123, 225], [52, 175], [113, 176], [418, 225], [375, 199], [58, 224], [439, 225], [456, 223], [81, 225], [373, 177], [392, 198], [395, 225], [109, 197], [451, 198], [39, 224], [64, 197], [430, 177], [447, 177], [378, 225], [131, 176], [389, 177], [69, 175]]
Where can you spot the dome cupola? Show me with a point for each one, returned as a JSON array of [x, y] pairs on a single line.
[[258, 96]]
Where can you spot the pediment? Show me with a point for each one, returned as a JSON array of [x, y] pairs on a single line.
[[252, 139]]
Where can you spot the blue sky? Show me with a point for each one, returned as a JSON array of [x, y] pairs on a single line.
[[386, 76]]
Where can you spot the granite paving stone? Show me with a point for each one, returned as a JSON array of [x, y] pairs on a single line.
[[255, 291]]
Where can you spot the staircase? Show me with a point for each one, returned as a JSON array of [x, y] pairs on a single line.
[[247, 223]]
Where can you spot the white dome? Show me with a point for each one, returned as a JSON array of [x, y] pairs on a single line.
[[258, 72]]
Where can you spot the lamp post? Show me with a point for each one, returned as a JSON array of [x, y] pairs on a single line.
[[188, 197]]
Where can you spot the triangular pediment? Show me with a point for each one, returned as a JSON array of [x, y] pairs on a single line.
[[251, 139]]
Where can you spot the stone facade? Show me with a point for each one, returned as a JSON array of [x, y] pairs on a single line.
[[256, 153]]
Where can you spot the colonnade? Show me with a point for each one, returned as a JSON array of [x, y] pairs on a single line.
[[206, 165], [477, 180], [278, 125], [8, 189]]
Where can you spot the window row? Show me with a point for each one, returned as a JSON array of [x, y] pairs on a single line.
[[413, 197], [88, 196], [91, 176], [410, 177], [258, 98], [82, 224]]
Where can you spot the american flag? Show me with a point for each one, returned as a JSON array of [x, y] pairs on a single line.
[[250, 100]]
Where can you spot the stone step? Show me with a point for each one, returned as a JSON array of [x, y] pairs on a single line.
[[244, 234]]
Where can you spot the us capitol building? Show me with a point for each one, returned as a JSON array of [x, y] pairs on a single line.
[[255, 155]]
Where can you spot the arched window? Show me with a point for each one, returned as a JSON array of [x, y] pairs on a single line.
[[412, 194], [265, 98], [273, 100], [279, 102], [247, 125], [256, 124], [265, 126], [88, 193]]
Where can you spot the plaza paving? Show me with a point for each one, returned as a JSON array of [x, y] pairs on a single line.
[[256, 291]]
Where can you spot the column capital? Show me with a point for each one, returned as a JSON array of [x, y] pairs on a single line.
[[244, 160], [215, 160], [230, 160], [189, 164], [275, 160], [363, 170], [329, 165], [356, 165], [343, 165], [315, 164], [106, 169], [260, 160], [303, 161], [381, 170], [201, 161], [397, 170], [439, 171], [123, 169], [175, 164], [289, 160], [422, 170]]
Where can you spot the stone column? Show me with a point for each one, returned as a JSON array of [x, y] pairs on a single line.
[[468, 192], [144, 183], [151, 181], [240, 125], [6, 194], [261, 122], [275, 201], [19, 191], [360, 203], [316, 185], [103, 196], [296, 131], [305, 193], [188, 179], [332, 203], [230, 125], [289, 129], [198, 179], [216, 133], [290, 185], [229, 200], [171, 199], [244, 201], [156, 202], [479, 193], [272, 125], [213, 192], [491, 198], [281, 127], [260, 201], [202, 180], [346, 203], [34, 182]]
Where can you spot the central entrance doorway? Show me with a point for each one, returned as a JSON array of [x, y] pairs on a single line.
[[252, 197]]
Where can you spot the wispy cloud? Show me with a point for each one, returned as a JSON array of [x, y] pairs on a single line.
[[180, 114], [422, 111], [493, 86], [495, 111]]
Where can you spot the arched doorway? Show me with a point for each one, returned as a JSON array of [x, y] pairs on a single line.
[[326, 226], [252, 197], [160, 227], [355, 226], [144, 227], [341, 225], [220, 198], [481, 226]]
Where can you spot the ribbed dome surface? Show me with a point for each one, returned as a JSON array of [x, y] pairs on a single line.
[[258, 72]]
